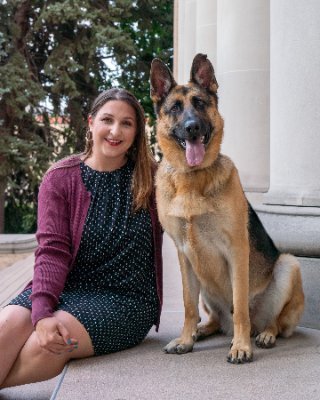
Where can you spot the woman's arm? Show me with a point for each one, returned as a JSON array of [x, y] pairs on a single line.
[[53, 255]]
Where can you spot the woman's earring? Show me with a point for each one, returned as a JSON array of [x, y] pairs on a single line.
[[89, 139]]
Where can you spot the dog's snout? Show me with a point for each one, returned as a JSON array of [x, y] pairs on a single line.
[[192, 129]]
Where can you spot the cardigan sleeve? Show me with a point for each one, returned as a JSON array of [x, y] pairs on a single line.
[[53, 255]]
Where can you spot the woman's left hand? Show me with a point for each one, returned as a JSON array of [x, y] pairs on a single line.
[[54, 336]]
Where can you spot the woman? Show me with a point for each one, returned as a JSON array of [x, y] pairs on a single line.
[[97, 285]]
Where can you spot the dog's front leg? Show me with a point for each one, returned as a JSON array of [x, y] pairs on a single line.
[[241, 350], [191, 291]]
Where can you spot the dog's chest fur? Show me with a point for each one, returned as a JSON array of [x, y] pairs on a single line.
[[193, 211], [195, 199]]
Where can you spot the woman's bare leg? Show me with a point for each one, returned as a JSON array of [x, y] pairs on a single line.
[[35, 364], [15, 329]]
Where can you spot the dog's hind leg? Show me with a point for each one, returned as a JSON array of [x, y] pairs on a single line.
[[212, 325], [283, 302]]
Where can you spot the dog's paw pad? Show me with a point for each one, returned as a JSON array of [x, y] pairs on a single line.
[[265, 340], [240, 354], [241, 357], [176, 347]]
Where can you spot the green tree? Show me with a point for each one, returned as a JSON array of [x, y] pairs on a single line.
[[55, 56], [150, 27]]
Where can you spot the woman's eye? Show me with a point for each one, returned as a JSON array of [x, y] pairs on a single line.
[[107, 120], [127, 123]]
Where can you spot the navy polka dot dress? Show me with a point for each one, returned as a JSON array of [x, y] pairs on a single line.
[[111, 289]]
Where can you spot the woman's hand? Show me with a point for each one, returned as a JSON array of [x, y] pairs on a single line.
[[54, 337]]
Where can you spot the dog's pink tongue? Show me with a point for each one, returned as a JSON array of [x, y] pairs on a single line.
[[194, 152]]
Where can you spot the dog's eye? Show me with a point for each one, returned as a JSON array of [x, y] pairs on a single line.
[[198, 103], [177, 107]]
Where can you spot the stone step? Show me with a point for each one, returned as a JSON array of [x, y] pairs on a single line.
[[17, 243], [14, 278]]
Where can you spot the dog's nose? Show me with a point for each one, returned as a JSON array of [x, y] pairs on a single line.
[[192, 129]]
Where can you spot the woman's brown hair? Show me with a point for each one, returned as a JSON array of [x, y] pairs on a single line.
[[139, 153]]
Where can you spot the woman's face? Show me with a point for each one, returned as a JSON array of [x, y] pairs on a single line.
[[113, 130]]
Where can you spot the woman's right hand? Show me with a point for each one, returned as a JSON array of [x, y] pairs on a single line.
[[54, 337]]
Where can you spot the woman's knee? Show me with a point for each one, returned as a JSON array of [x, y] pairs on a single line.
[[15, 319], [34, 364]]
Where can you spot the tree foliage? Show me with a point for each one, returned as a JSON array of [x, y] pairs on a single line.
[[55, 56]]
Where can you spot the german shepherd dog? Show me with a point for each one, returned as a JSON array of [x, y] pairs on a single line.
[[247, 286]]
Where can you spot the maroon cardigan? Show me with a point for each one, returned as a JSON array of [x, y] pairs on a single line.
[[63, 203]]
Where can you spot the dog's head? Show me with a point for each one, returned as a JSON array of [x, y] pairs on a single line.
[[189, 126]]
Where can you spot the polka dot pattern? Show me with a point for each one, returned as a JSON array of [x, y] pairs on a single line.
[[111, 289]]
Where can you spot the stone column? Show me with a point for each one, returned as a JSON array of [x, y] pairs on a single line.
[[184, 38], [295, 103], [206, 29], [194, 32], [295, 141], [243, 76]]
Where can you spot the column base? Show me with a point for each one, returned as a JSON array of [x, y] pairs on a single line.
[[291, 197], [293, 229], [310, 271]]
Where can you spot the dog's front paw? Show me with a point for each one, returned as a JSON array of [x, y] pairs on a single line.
[[176, 346], [240, 354], [265, 340]]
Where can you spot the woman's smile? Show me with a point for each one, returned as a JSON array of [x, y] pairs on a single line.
[[113, 142]]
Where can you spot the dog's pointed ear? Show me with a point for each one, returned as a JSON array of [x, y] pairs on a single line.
[[161, 80], [202, 73]]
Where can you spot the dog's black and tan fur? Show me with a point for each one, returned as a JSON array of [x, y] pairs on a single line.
[[225, 254]]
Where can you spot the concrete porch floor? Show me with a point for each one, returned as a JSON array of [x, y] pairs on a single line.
[[291, 370]]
